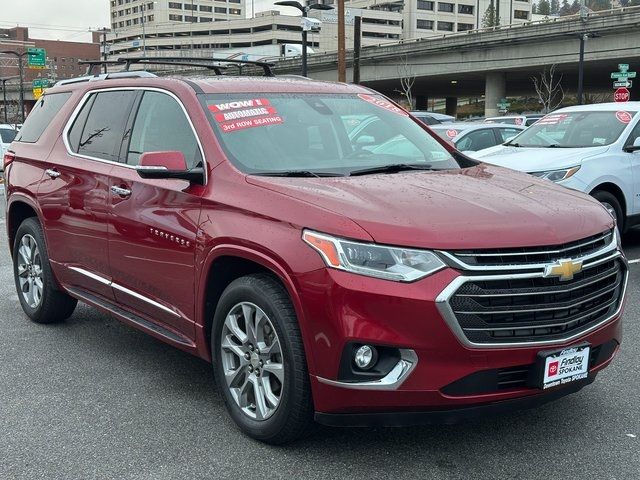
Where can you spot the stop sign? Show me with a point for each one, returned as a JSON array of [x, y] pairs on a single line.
[[621, 95]]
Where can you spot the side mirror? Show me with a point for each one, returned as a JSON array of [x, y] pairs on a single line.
[[168, 165], [633, 148]]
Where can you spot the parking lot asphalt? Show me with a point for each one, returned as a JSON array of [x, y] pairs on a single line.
[[92, 398]]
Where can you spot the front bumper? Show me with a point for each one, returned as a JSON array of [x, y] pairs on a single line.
[[342, 308], [447, 416]]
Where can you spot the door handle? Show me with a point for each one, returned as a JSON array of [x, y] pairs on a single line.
[[52, 172], [122, 192]]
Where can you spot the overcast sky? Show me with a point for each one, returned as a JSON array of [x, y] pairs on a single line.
[[71, 19]]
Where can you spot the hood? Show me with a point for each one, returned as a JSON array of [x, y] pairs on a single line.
[[479, 207], [536, 159]]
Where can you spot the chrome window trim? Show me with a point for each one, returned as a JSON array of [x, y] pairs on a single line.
[[112, 284], [391, 381], [442, 304], [613, 245], [83, 101]]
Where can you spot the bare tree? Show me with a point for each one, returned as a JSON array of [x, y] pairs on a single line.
[[549, 89], [407, 79]]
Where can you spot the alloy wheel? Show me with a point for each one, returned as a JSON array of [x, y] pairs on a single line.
[[30, 271], [252, 361]]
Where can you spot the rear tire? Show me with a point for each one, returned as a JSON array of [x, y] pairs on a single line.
[[260, 366], [37, 290], [611, 203]]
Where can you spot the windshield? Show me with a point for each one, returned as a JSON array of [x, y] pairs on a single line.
[[7, 135], [316, 134], [574, 130]]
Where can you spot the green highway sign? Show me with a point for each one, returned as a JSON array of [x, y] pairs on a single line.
[[623, 75], [623, 67], [37, 58], [41, 83]]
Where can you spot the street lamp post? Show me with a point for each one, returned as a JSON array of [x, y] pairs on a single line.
[[21, 74], [583, 38], [305, 10]]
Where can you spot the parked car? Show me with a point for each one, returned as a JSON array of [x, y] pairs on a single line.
[[590, 148], [433, 118], [470, 137], [239, 222], [526, 120], [7, 134]]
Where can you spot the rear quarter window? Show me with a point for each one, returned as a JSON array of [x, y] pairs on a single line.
[[41, 116]]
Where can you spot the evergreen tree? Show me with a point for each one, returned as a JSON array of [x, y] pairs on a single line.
[[565, 9], [555, 7], [490, 18], [544, 7]]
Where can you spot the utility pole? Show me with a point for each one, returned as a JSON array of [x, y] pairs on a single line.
[[357, 46], [583, 38], [342, 61], [144, 41]]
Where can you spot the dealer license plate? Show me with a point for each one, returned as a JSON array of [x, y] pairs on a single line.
[[563, 366]]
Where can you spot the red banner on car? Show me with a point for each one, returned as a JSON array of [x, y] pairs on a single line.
[[382, 103]]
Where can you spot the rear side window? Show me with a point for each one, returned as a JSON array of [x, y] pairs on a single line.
[[7, 135], [99, 128], [41, 116], [161, 125]]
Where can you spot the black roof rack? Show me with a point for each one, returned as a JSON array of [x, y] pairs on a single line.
[[91, 64], [212, 63]]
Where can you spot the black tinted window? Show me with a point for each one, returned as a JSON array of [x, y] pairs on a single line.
[[41, 115], [7, 135], [78, 124], [104, 129], [161, 125]]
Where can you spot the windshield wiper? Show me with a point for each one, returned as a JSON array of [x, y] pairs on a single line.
[[509, 144], [298, 173], [393, 168]]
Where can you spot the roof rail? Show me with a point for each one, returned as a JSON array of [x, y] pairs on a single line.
[[209, 63], [106, 76], [91, 64]]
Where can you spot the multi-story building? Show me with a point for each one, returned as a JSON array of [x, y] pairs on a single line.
[[127, 14], [266, 28], [62, 57]]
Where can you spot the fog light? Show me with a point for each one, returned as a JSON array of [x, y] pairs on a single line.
[[365, 357]]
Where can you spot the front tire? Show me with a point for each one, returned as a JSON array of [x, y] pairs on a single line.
[[259, 361], [611, 203], [38, 293]]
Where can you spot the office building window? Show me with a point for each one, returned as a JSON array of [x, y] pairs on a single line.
[[521, 14], [205, 19], [425, 5], [206, 8], [463, 27], [175, 5], [466, 9], [175, 18], [424, 24], [235, 11], [445, 26], [188, 18], [220, 10], [445, 7]]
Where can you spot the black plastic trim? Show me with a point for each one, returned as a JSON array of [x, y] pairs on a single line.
[[449, 416]]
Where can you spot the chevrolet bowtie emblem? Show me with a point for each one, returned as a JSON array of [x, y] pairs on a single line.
[[563, 269]]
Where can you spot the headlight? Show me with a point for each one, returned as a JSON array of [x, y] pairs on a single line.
[[557, 175], [389, 263]]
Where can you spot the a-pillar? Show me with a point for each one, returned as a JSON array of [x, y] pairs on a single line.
[[495, 89], [451, 106]]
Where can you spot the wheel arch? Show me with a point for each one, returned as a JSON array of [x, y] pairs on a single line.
[[19, 209], [614, 190], [224, 264]]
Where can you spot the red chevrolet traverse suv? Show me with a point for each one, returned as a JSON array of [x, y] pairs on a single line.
[[330, 256]]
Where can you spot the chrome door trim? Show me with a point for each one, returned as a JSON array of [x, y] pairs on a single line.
[[83, 101], [391, 381], [112, 284]]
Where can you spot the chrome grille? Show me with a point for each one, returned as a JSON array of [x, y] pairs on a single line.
[[520, 305], [525, 256]]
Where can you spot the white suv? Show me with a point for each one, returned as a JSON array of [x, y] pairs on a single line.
[[591, 148]]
